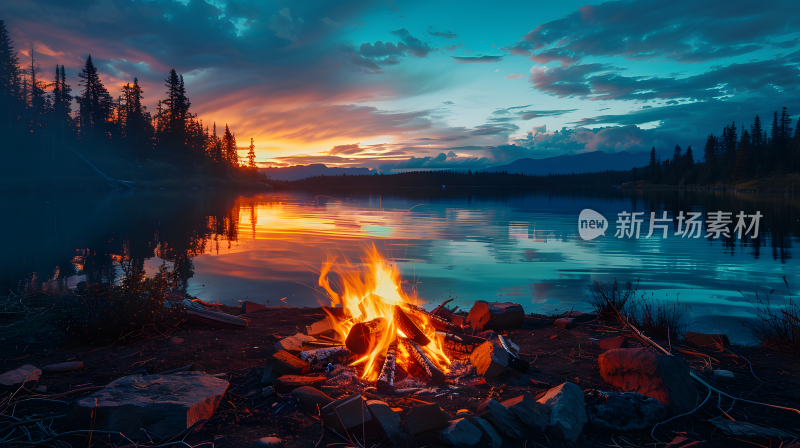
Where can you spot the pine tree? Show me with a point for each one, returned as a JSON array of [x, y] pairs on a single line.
[[176, 129], [743, 167], [10, 80], [137, 127], [688, 160], [95, 104], [229, 147], [251, 156], [652, 164]]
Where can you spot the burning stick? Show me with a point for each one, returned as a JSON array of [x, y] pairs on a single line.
[[407, 326], [385, 382], [364, 336], [437, 322], [433, 373]]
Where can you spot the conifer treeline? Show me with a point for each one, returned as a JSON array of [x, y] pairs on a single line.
[[735, 156], [37, 114]]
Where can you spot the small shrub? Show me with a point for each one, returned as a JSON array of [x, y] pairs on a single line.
[[666, 319], [776, 327], [131, 310], [606, 297]]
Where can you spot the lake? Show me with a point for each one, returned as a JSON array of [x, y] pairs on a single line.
[[520, 245]]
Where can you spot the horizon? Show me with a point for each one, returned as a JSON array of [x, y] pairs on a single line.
[[420, 86]]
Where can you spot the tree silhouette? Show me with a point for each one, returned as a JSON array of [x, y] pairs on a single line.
[[229, 147], [251, 156], [10, 80], [95, 104]]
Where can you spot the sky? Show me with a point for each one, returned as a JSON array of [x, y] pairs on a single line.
[[398, 85]]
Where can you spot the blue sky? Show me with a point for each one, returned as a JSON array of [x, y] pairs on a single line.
[[413, 84]]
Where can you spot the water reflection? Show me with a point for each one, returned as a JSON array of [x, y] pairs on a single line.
[[521, 245]]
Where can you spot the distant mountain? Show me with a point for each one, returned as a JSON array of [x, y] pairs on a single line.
[[579, 163], [298, 172]]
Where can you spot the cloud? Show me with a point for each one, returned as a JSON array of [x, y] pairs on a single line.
[[476, 59], [514, 76], [603, 82], [411, 44], [685, 31], [445, 34]]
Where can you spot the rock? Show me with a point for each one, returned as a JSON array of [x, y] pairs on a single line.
[[740, 428], [13, 379], [530, 412], [612, 343], [63, 367], [565, 323], [498, 415], [293, 344], [623, 411], [175, 340], [495, 316], [579, 316], [567, 412], [285, 363], [388, 420], [665, 378], [268, 442], [727, 374], [424, 418], [267, 391], [346, 413], [709, 341], [268, 377], [40, 389], [311, 399], [461, 433], [161, 404], [288, 383], [490, 359], [251, 307], [490, 434]]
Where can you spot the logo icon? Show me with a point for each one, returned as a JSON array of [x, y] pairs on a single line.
[[591, 224]]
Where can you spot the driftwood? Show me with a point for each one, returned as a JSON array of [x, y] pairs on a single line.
[[113, 183]]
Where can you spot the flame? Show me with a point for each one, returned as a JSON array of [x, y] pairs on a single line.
[[370, 290]]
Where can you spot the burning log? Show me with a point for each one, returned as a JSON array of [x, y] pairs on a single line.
[[430, 370], [437, 322], [385, 382], [408, 327], [323, 354], [285, 363], [460, 345], [364, 336]]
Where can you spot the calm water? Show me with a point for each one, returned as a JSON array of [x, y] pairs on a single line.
[[520, 245]]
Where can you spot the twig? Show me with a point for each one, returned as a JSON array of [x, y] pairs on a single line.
[[678, 416]]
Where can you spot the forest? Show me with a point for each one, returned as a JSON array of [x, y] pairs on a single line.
[[49, 142]]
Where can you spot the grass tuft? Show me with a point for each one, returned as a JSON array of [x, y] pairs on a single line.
[[776, 327]]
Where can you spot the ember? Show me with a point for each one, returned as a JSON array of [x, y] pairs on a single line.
[[377, 314]]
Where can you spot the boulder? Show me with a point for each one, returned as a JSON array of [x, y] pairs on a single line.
[[424, 418], [346, 413], [269, 376], [162, 404], [533, 414], [13, 379], [665, 378], [251, 307], [501, 418], [495, 316], [293, 344], [490, 359], [311, 399], [567, 411], [268, 442], [623, 411], [387, 419], [461, 433], [63, 367], [612, 343], [490, 436], [565, 323], [267, 391], [716, 342]]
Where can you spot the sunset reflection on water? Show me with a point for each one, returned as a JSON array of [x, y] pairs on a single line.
[[520, 248]]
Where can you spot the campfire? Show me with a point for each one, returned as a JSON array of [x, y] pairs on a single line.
[[384, 329]]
